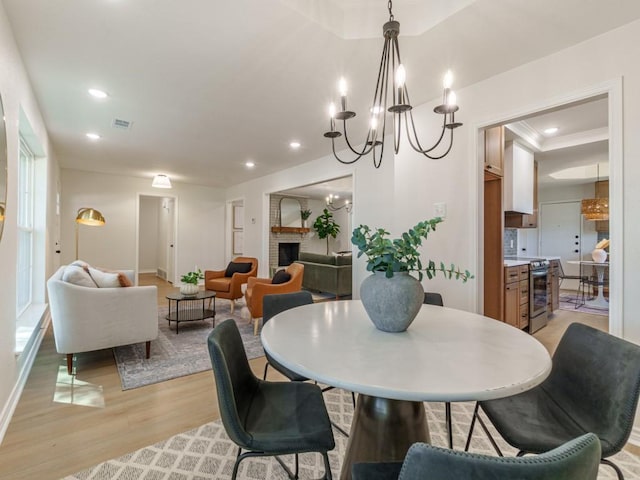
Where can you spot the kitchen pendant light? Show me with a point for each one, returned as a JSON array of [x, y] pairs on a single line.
[[391, 83], [595, 208]]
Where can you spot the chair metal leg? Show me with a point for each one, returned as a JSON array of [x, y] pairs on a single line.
[[476, 415], [614, 466], [447, 409], [327, 467], [493, 442], [473, 423]]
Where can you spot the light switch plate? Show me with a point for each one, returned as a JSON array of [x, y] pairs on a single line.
[[440, 209]]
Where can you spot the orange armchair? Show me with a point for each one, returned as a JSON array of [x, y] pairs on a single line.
[[230, 287], [257, 288]]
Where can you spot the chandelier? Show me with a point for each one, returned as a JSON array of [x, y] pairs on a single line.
[[331, 206], [595, 208], [398, 105]]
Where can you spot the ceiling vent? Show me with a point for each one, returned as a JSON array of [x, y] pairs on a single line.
[[121, 124]]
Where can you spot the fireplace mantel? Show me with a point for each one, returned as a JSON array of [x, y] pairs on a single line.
[[299, 230]]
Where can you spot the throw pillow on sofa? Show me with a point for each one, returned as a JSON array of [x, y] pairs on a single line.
[[281, 276], [78, 276], [237, 267], [107, 279]]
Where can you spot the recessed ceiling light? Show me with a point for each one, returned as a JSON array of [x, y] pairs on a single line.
[[94, 92], [551, 131], [249, 164], [93, 136], [294, 145]]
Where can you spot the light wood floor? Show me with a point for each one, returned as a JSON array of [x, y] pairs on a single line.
[[49, 440]]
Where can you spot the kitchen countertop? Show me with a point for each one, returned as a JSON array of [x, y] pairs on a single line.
[[515, 263], [525, 260]]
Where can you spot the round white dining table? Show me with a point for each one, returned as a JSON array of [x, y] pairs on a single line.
[[446, 355]]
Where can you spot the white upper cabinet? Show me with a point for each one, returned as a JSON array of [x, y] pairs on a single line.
[[518, 178]]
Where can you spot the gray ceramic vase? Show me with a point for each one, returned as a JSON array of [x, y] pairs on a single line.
[[392, 303]]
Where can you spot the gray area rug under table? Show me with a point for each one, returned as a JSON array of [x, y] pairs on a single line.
[[207, 452], [176, 355]]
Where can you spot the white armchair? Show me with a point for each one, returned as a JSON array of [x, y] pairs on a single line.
[[87, 319]]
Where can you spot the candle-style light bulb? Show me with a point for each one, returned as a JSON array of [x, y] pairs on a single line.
[[342, 87], [451, 98], [332, 110], [401, 76], [448, 79], [374, 123]]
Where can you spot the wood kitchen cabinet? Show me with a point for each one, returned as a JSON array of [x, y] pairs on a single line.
[[494, 150], [516, 296]]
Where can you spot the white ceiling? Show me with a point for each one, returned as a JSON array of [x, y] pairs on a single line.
[[581, 141], [210, 84]]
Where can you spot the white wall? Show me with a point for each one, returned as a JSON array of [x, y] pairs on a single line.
[[17, 94], [199, 211], [456, 179]]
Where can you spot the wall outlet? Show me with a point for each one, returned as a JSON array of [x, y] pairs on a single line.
[[440, 209]]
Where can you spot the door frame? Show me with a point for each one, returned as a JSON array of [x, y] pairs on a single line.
[[613, 89]]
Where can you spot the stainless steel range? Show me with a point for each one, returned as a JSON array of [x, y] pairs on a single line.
[[538, 271]]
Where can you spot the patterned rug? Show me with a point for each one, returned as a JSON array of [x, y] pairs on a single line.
[[178, 355], [206, 452], [568, 301]]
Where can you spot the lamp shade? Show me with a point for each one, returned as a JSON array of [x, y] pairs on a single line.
[[89, 216], [595, 208], [161, 181]]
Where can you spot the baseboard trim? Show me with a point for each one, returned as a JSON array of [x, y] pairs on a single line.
[[27, 358]]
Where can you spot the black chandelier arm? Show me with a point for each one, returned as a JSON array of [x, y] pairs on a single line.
[[417, 146], [364, 151], [345, 162], [426, 152]]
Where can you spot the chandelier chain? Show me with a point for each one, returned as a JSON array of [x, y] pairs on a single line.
[[389, 7]]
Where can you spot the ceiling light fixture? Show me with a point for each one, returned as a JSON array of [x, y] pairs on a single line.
[[249, 164], [93, 136], [161, 181], [94, 92], [329, 203], [400, 107], [595, 208], [551, 130], [295, 145]]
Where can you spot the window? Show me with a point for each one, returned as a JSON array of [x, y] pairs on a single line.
[[26, 202]]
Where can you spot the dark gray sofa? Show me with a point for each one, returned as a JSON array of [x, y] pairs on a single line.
[[326, 273]]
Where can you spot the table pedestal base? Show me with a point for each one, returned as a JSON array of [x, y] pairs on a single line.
[[382, 430]]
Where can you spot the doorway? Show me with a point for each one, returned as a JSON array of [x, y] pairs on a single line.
[[609, 95], [156, 236]]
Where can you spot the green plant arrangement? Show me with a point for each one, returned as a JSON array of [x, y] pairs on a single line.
[[305, 214], [326, 226], [192, 277], [401, 254]]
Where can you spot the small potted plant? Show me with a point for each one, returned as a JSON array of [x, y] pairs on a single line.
[[326, 226], [190, 282], [391, 296], [305, 214]]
